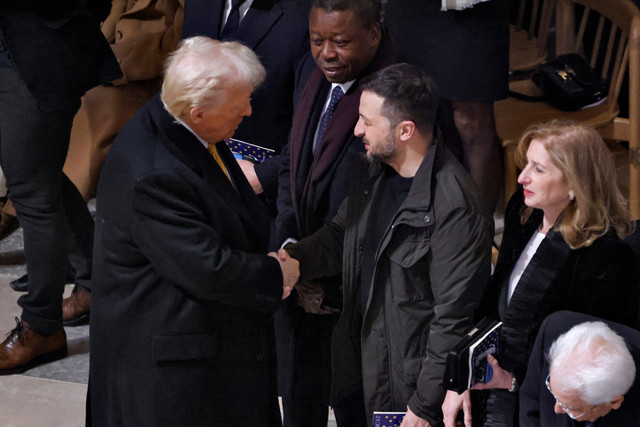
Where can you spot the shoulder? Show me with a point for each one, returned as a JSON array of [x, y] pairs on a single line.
[[454, 188], [140, 144], [607, 247]]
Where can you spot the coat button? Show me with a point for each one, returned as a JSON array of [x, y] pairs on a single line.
[[427, 219]]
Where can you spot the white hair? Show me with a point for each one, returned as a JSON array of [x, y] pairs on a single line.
[[592, 361], [201, 70]]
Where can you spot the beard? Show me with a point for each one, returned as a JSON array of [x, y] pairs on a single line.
[[385, 151]]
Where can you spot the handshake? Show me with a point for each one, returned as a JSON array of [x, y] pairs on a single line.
[[290, 271]]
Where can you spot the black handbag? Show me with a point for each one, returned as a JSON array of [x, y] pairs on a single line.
[[569, 83]]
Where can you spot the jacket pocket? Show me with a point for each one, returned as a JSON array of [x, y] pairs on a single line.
[[180, 346], [408, 245], [409, 267]]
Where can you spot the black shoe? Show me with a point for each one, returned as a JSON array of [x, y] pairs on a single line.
[[21, 284]]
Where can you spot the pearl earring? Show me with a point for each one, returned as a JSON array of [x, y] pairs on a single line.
[[572, 196]]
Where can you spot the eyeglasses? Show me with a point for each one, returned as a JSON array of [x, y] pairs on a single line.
[[564, 407]]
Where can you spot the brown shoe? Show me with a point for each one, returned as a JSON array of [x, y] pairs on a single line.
[[76, 308], [23, 349]]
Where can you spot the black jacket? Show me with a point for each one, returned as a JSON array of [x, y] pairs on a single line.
[[430, 270]]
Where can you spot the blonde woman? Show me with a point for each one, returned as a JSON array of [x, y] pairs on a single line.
[[561, 250]]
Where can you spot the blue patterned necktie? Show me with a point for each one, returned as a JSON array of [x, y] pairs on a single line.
[[336, 95], [233, 20]]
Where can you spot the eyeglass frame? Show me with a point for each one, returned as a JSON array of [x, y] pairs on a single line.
[[564, 407]]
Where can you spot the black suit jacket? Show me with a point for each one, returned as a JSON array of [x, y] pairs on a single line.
[[57, 47], [182, 331], [536, 403], [277, 31]]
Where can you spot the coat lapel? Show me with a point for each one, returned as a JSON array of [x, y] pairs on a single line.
[[260, 18], [520, 314]]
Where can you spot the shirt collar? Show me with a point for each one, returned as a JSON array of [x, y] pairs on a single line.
[[344, 86], [202, 141]]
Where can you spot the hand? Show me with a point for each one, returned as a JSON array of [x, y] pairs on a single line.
[[499, 379], [310, 297], [452, 404], [290, 271], [249, 171], [412, 420]]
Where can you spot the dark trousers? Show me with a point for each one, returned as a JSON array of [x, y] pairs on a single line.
[[350, 411], [52, 213], [304, 365]]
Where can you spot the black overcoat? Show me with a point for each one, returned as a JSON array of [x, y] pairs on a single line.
[[183, 295]]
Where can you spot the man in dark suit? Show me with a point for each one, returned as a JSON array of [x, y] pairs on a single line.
[[277, 31], [582, 372], [50, 54], [347, 45], [181, 325]]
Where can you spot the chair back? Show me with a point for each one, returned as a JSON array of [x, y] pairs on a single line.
[[531, 22]]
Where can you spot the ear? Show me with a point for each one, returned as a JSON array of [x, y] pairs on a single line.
[[376, 35], [406, 130], [196, 114], [616, 402]]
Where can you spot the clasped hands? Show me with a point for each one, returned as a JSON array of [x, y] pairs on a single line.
[[290, 271]]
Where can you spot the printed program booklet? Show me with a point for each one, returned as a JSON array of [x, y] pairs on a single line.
[[247, 151], [387, 419]]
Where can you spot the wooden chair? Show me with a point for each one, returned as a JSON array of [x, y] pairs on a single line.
[[615, 48], [529, 34]]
